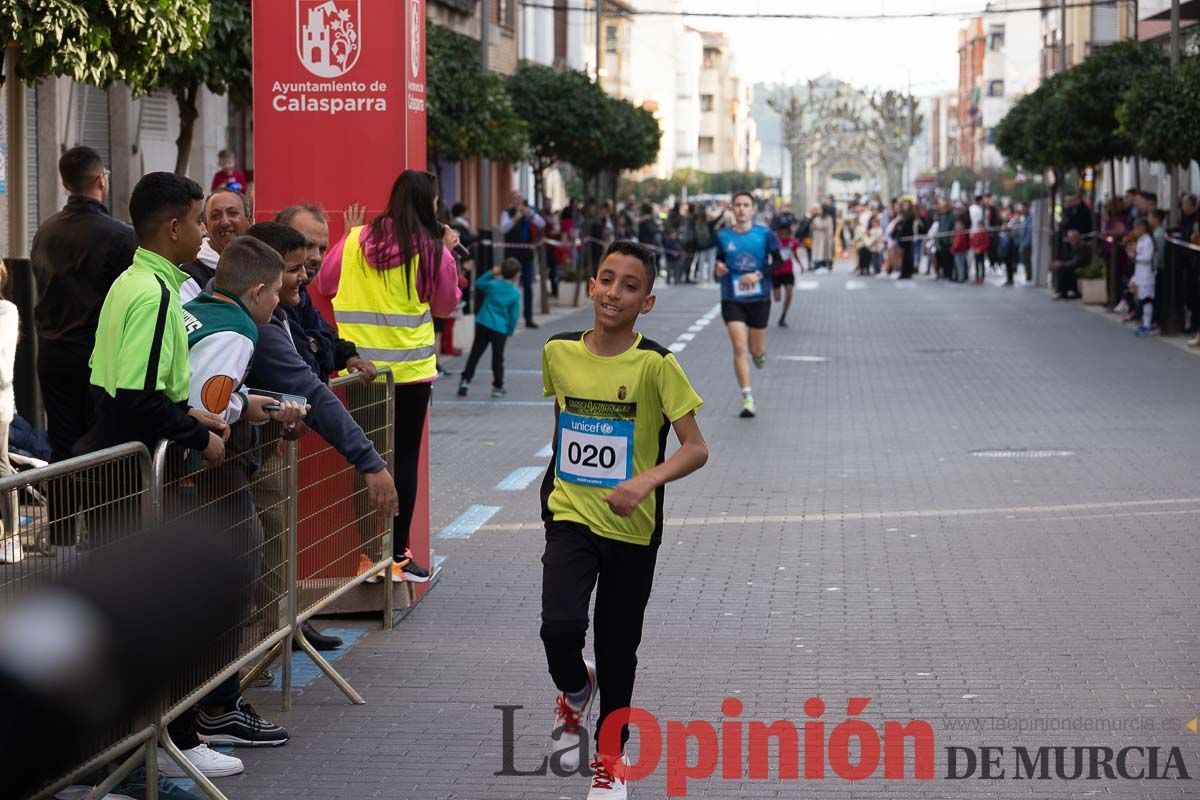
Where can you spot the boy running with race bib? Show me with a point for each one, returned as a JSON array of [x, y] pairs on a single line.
[[617, 394], [747, 257]]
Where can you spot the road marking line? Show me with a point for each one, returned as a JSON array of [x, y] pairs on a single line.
[[807, 359], [468, 522], [912, 514], [680, 343], [520, 478], [545, 452], [807, 286], [904, 285], [852, 286]]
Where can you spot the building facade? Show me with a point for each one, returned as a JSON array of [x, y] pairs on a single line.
[[728, 140]]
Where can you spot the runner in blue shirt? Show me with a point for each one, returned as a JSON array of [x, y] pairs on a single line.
[[747, 257]]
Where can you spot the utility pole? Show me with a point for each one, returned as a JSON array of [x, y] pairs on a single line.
[[599, 39], [485, 166], [1062, 35], [1174, 173]]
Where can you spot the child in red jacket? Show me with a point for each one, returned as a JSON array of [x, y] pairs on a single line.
[[960, 245], [979, 246]]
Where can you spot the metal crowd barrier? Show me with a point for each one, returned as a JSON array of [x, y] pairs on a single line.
[[300, 519], [1180, 286], [99, 500]]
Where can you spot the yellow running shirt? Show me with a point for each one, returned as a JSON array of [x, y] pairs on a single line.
[[614, 417]]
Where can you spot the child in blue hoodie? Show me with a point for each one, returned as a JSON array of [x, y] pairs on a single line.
[[496, 321]]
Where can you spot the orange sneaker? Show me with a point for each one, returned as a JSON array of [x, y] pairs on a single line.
[[408, 570], [364, 565]]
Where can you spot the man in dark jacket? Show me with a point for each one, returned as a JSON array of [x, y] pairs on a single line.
[[278, 367], [1082, 254], [77, 254], [320, 345]]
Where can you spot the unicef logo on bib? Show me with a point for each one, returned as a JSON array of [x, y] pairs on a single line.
[[594, 452]]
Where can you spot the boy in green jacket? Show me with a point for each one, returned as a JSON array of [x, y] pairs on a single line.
[[140, 361]]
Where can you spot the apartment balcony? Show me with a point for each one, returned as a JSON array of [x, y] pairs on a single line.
[[1050, 58]]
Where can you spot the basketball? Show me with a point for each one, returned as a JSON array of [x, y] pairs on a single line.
[[215, 394]]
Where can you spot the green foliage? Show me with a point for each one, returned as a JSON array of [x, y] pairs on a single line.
[[1070, 120], [629, 139], [965, 176], [1091, 93], [102, 41], [539, 95], [634, 136], [223, 63], [1092, 271], [697, 182], [1160, 110], [468, 114]]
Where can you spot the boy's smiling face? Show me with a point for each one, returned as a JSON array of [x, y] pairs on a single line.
[[620, 291]]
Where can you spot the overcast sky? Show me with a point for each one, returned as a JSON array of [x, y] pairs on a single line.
[[868, 53]]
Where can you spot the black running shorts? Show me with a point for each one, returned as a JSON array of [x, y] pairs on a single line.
[[755, 315]]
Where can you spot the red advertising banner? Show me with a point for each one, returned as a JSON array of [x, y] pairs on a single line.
[[339, 101], [339, 113]]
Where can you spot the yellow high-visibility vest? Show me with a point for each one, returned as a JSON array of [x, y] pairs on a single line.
[[379, 310]]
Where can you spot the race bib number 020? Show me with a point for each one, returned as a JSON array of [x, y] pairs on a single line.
[[594, 451]]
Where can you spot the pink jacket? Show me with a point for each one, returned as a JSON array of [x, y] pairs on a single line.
[[443, 296], [439, 289]]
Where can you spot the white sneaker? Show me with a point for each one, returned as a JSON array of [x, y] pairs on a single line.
[[567, 721], [608, 779], [210, 763], [80, 792], [1121, 307]]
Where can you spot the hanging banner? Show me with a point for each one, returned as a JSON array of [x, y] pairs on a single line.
[[339, 113], [339, 102]]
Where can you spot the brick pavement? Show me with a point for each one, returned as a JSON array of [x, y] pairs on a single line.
[[845, 543]]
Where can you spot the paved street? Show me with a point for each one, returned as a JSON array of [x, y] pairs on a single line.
[[868, 535]]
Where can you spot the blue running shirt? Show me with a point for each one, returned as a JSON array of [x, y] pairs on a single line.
[[742, 253]]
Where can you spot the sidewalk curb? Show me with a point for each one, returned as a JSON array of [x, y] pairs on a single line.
[[1178, 342]]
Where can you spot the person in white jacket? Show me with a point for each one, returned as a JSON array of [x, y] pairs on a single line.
[[10, 539]]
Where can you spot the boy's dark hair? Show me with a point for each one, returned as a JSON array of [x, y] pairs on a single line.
[[224, 154], [635, 250], [510, 269], [245, 263], [1157, 212], [1150, 196], [78, 167], [742, 193], [458, 209], [283, 238], [158, 197], [288, 214]]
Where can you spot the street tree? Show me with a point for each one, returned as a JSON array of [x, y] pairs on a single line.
[[890, 129], [222, 64], [100, 42], [539, 95], [469, 114], [1088, 98], [1159, 111], [629, 139], [797, 138]]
